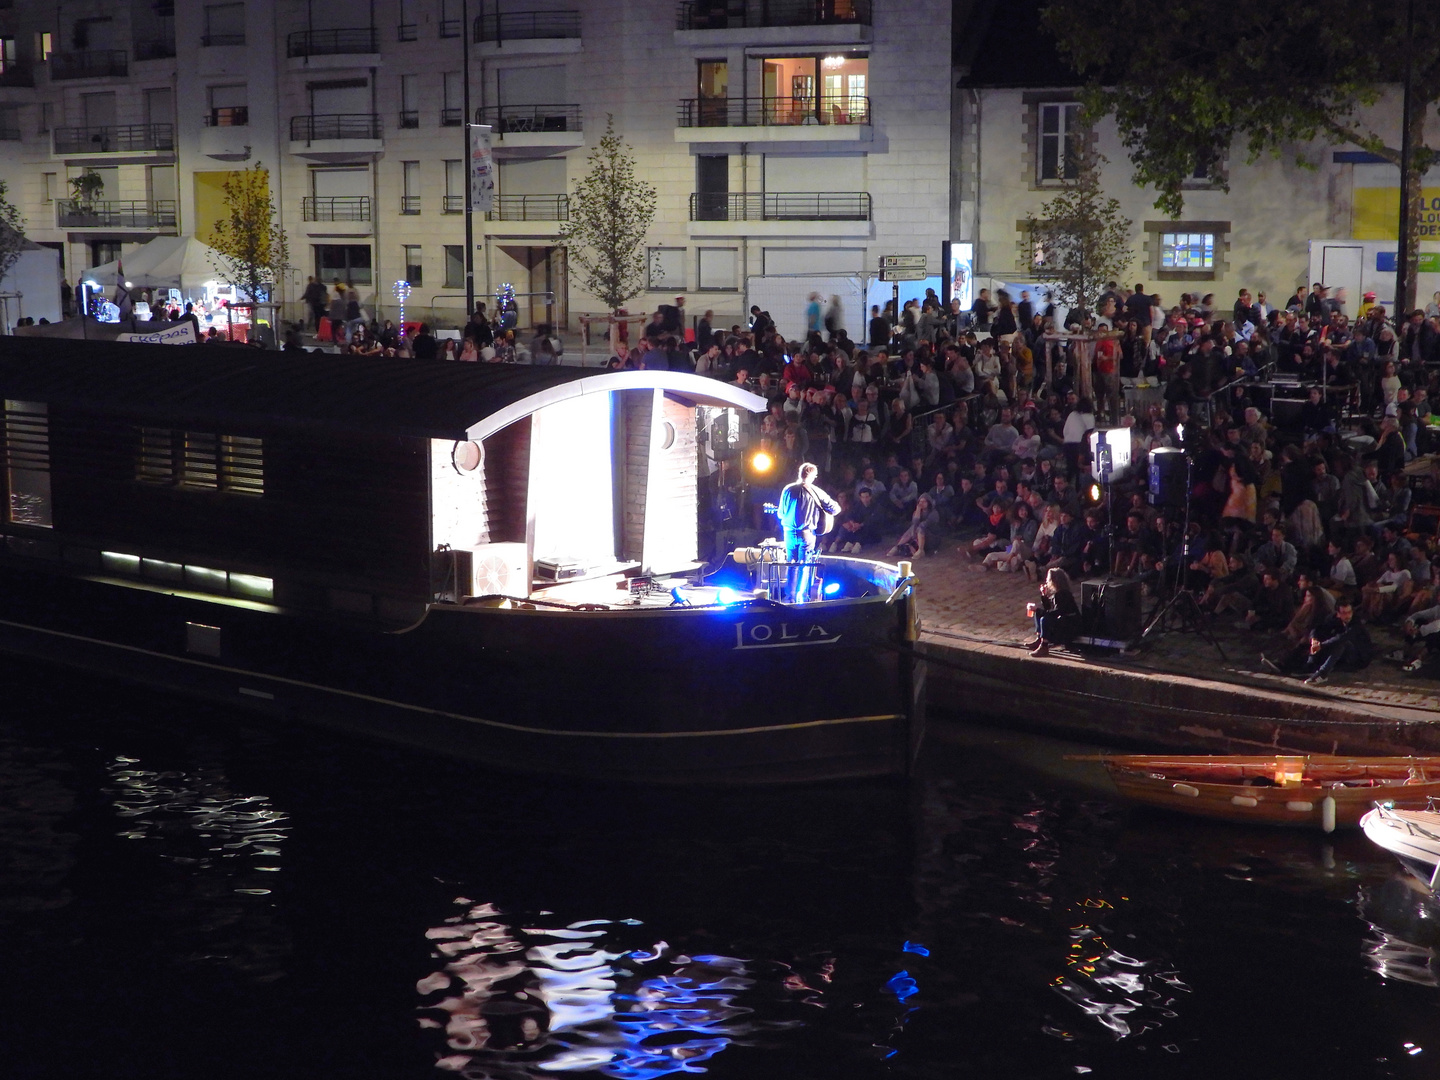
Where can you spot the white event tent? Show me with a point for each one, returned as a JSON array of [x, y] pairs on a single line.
[[167, 262]]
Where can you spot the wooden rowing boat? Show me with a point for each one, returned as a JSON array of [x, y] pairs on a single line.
[[1312, 791]]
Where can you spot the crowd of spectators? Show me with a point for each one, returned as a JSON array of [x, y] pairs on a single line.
[[936, 433]]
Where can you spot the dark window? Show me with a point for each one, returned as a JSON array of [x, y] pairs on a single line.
[[454, 266], [343, 262]]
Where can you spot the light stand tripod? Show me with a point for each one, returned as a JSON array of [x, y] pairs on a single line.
[[1182, 611]]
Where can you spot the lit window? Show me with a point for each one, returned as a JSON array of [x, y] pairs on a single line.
[[1060, 136], [209, 462], [1187, 251]]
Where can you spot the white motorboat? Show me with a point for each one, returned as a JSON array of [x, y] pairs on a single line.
[[1413, 836]]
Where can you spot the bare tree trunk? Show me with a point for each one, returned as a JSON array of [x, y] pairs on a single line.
[[1414, 188]]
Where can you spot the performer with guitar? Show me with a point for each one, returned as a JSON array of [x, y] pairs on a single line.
[[802, 505]]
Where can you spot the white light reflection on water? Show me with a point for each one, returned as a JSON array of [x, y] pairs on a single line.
[[587, 997]]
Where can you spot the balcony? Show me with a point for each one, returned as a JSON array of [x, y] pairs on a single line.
[[14, 73], [748, 14], [452, 117], [773, 119], [781, 213], [338, 48], [333, 136], [526, 127], [409, 118], [99, 64], [116, 214], [452, 204], [10, 134], [513, 32], [528, 208], [409, 204], [123, 139], [451, 28], [218, 41], [155, 49], [335, 208], [407, 32]]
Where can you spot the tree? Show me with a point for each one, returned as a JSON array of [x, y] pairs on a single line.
[[12, 232], [1080, 240], [1277, 74], [610, 213], [253, 250]]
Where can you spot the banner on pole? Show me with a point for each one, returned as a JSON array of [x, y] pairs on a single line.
[[482, 169]]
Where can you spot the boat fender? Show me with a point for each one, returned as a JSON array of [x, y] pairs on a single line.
[[1244, 800], [1185, 789], [1327, 813], [1300, 806]]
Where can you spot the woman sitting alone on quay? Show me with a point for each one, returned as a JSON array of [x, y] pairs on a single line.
[[1057, 616]]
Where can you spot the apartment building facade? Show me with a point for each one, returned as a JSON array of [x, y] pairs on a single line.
[[784, 137]]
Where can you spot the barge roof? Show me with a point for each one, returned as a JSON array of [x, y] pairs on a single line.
[[239, 388]]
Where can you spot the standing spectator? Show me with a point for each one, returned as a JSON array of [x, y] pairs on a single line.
[[337, 315], [705, 332], [315, 295], [67, 294]]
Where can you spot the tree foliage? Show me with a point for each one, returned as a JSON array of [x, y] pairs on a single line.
[[1080, 240], [12, 232], [1277, 75], [253, 249], [610, 212]]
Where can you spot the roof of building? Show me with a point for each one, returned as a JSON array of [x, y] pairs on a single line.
[[244, 388], [1006, 46]]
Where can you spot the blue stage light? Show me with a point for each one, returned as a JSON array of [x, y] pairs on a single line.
[[726, 596], [832, 588]]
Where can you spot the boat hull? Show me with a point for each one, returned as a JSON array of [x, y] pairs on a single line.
[[758, 693], [1217, 788], [1413, 836]]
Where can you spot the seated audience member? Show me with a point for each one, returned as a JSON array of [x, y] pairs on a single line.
[[924, 525], [858, 524], [1057, 616], [1340, 643], [1273, 605], [1388, 593]]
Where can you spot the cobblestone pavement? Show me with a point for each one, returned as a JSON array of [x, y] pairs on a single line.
[[960, 604]]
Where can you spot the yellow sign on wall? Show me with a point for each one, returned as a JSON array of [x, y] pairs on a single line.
[[1377, 213], [209, 202]]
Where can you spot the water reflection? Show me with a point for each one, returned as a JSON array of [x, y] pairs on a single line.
[[37, 841], [224, 847], [596, 996], [1403, 916]]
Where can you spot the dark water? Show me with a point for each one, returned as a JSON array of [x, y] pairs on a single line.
[[185, 895]]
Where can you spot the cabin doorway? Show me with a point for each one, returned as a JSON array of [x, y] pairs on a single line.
[[540, 272]]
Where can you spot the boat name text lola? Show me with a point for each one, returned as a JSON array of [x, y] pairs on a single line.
[[763, 635]]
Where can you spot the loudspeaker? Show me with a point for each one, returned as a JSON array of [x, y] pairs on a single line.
[[1169, 477], [1111, 611]]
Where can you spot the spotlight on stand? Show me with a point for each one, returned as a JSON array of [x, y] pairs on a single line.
[[761, 462], [1110, 451], [1093, 494]]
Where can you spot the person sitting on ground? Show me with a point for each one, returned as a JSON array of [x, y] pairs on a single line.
[[1057, 616], [1235, 590], [1423, 627], [1068, 544], [924, 521], [1023, 529], [1341, 643], [1388, 593], [858, 523], [995, 534], [902, 496], [1316, 605], [1273, 605], [1277, 553]]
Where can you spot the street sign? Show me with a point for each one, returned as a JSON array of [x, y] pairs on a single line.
[[902, 262], [904, 274]]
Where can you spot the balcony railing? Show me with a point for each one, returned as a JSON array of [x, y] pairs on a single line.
[[124, 139], [452, 117], [511, 119], [733, 14], [155, 49], [528, 208], [211, 41], [781, 206], [334, 126], [407, 31], [409, 118], [229, 116], [359, 39], [451, 27], [116, 214], [409, 204], [527, 25], [14, 73], [772, 111], [452, 204], [10, 134], [89, 65], [335, 208]]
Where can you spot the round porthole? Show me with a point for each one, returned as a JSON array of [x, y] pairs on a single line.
[[467, 456], [667, 435]]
